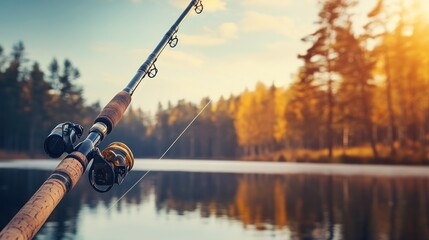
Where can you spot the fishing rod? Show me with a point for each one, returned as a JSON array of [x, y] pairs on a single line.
[[108, 167]]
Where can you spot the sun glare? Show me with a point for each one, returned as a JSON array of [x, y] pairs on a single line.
[[424, 7]]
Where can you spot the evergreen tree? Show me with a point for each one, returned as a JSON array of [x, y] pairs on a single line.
[[319, 58], [379, 17], [11, 101], [224, 143], [305, 127], [355, 91], [69, 95], [38, 108]]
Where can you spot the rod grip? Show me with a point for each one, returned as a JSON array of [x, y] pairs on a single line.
[[114, 110], [27, 222]]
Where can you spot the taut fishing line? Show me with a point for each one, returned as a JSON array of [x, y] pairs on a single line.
[[162, 156]]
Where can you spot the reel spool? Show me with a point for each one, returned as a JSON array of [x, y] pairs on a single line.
[[62, 139], [110, 166]]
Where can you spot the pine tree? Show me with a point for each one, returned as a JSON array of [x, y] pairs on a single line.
[[379, 18], [319, 58], [38, 108], [355, 91], [68, 95], [11, 100], [305, 127]]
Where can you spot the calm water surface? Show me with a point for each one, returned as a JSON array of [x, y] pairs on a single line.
[[219, 200]]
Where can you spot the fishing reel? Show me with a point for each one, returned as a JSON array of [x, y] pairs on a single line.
[[110, 166], [62, 139]]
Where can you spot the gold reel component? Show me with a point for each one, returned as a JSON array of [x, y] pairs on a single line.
[[118, 148]]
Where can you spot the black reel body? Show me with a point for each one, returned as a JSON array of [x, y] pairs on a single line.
[[110, 166], [62, 139]]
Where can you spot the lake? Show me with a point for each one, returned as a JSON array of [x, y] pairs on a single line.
[[184, 199]]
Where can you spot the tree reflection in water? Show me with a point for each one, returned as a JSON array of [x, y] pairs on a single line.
[[310, 206]]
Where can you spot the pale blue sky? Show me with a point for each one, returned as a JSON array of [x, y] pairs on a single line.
[[230, 47]]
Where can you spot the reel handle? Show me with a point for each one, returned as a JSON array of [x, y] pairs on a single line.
[[114, 110]]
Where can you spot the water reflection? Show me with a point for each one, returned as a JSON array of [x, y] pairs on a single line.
[[306, 206]]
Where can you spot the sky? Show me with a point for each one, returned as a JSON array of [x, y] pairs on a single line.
[[231, 46]]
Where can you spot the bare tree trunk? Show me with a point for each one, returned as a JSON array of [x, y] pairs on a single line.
[[367, 111], [252, 151], [389, 104], [422, 138], [368, 122], [402, 131], [31, 139], [321, 141], [330, 119], [370, 129], [245, 150], [192, 146], [345, 139]]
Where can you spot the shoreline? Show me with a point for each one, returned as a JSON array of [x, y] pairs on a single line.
[[247, 167], [296, 156]]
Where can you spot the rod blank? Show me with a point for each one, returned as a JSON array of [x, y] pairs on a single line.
[[150, 61]]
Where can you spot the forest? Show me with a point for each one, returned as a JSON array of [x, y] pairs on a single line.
[[361, 95]]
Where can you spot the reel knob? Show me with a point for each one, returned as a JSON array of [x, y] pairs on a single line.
[[117, 148], [110, 166]]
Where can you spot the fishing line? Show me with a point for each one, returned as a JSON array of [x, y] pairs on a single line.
[[166, 151]]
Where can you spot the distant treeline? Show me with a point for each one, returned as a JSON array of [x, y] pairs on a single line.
[[367, 90], [32, 102]]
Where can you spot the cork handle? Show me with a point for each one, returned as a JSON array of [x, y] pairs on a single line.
[[34, 213], [113, 111]]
